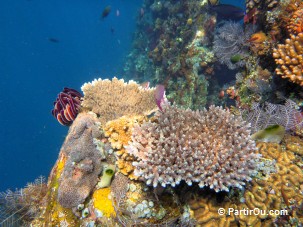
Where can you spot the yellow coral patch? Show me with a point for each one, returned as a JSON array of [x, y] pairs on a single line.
[[119, 133], [103, 203]]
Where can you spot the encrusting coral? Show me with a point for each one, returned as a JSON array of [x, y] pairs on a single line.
[[289, 58], [111, 99], [119, 132], [83, 163], [281, 190], [211, 147]]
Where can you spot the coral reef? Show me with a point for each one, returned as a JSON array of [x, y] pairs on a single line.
[[278, 191], [132, 159], [172, 46], [211, 147], [289, 59], [111, 99], [83, 163]]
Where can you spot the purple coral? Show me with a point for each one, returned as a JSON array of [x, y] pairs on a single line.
[[211, 147]]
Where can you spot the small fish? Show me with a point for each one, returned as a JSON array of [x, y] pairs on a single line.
[[141, 13], [118, 13], [159, 95], [145, 85], [213, 2], [112, 30], [105, 12], [251, 16], [236, 58], [271, 134], [221, 94], [228, 12], [53, 40]]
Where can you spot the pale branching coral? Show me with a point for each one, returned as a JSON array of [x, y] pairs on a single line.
[[286, 115], [83, 165], [114, 99], [230, 43], [211, 147], [289, 58]]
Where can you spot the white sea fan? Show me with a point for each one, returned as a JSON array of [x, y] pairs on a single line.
[[230, 39], [262, 116]]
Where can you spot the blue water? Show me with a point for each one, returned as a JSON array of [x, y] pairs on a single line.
[[33, 70]]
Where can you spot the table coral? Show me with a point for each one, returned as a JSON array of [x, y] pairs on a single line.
[[277, 191], [289, 58], [111, 99], [119, 132]]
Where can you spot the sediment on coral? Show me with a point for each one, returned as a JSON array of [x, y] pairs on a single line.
[[111, 99], [211, 147]]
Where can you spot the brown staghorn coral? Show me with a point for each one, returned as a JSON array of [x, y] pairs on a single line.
[[83, 164], [289, 58], [112, 99], [211, 147], [277, 191], [119, 132]]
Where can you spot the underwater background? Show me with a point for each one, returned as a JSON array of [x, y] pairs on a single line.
[[45, 46]]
